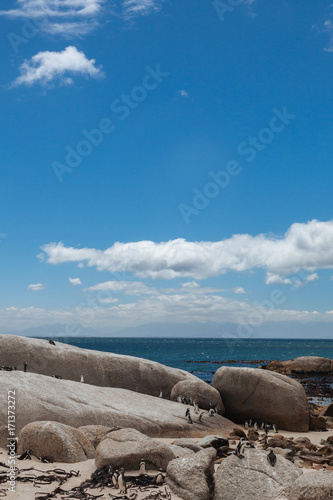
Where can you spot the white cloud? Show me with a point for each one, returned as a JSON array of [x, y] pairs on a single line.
[[304, 247], [177, 308], [143, 7], [46, 67], [312, 277], [75, 281], [108, 300], [126, 287], [238, 290], [36, 287], [275, 279], [63, 17], [183, 93]]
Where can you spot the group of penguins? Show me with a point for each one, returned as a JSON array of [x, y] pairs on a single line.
[[271, 457], [119, 480], [262, 427], [117, 476], [196, 409]]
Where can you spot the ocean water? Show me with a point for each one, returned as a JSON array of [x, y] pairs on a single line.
[[203, 357]]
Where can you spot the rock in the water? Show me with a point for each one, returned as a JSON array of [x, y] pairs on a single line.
[[192, 478], [253, 478], [329, 411], [304, 364], [126, 447], [187, 443], [213, 442], [263, 396], [55, 441], [316, 485], [102, 368], [76, 404], [203, 394], [95, 433]]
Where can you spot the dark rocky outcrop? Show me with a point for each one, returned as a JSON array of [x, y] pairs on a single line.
[[304, 364]]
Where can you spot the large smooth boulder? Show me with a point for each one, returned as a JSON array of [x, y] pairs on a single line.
[[192, 478], [304, 364], [55, 441], [98, 368], [75, 404], [95, 433], [253, 478], [263, 396], [316, 485], [126, 447], [203, 394]]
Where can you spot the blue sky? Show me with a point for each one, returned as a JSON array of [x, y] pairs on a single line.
[[185, 149]]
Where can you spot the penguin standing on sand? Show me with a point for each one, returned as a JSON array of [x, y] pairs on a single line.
[[196, 407], [275, 428], [51, 342], [262, 427], [187, 412], [25, 366], [159, 479], [122, 481], [82, 378], [143, 471], [267, 427], [161, 394], [211, 412], [255, 426], [250, 422], [271, 457], [115, 479], [246, 425], [189, 419], [200, 416]]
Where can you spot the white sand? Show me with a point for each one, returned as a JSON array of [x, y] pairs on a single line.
[[26, 491]]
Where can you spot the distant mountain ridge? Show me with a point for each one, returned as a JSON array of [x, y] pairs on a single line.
[[58, 330], [272, 330]]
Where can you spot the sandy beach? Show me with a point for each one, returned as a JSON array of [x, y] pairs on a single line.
[[83, 471]]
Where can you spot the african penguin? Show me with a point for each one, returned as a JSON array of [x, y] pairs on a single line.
[[271, 457], [143, 471]]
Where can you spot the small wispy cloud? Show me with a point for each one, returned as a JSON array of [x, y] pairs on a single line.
[[238, 290], [328, 28], [45, 67], [140, 7], [183, 93], [75, 281], [36, 287], [64, 17], [126, 287]]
